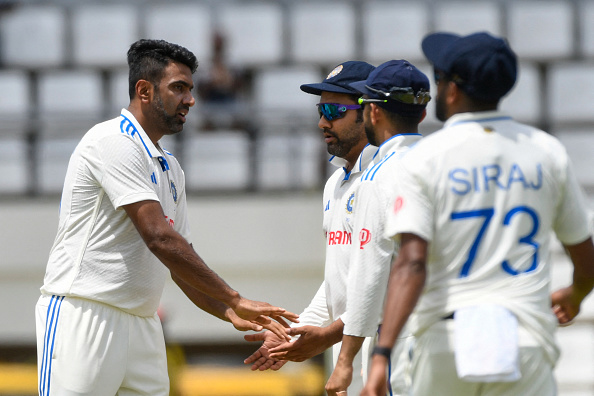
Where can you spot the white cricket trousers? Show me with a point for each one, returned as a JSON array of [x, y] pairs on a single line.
[[89, 348]]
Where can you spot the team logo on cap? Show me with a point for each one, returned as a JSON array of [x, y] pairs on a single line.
[[349, 204], [335, 72]]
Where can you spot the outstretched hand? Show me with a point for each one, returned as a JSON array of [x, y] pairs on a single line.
[[260, 359], [311, 342], [265, 315]]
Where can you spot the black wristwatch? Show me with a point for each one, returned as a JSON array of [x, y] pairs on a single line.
[[383, 351]]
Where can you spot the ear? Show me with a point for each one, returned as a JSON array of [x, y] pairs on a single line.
[[375, 113], [144, 91], [454, 93]]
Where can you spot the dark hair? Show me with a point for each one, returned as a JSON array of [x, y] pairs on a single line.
[[148, 58]]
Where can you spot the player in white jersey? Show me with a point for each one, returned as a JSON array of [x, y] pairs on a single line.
[[341, 120], [123, 229], [396, 94], [475, 204]]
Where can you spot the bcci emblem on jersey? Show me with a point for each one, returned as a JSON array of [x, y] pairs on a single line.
[[174, 192], [349, 203]]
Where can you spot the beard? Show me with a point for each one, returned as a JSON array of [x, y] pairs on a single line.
[[170, 124], [344, 144], [369, 132], [440, 110]]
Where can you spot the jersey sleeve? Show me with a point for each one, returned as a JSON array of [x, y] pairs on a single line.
[[316, 313], [572, 223], [182, 224], [371, 259], [125, 171], [410, 210]]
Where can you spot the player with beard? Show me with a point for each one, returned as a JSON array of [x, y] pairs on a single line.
[[321, 323], [123, 228]]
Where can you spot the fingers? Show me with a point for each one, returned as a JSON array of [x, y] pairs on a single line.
[[255, 337], [293, 317], [273, 326], [253, 357]]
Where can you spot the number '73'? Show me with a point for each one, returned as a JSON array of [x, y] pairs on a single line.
[[487, 216]]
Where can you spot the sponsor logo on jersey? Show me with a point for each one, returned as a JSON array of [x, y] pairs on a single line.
[[364, 237], [339, 238], [174, 192], [154, 178], [349, 204], [335, 72]]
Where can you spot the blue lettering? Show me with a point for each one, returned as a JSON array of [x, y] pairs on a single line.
[[539, 174], [516, 175], [465, 183], [488, 176]]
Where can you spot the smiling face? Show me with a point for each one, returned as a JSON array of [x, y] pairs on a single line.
[[344, 137], [172, 99]]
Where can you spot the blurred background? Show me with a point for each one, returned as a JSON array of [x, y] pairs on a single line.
[[254, 159]]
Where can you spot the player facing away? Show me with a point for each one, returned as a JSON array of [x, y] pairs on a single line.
[[474, 207], [322, 322], [395, 96], [123, 228]]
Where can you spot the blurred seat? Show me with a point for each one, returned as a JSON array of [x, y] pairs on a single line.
[[322, 32], [523, 103], [33, 36], [570, 92], [15, 102], [465, 17], [574, 369], [290, 161], [118, 91], [253, 32], [187, 24], [585, 17], [383, 21], [541, 30], [216, 161], [277, 94], [70, 102], [53, 157], [579, 143], [14, 166], [102, 34]]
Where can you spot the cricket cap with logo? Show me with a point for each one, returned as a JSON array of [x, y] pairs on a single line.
[[482, 65], [340, 77], [403, 88]]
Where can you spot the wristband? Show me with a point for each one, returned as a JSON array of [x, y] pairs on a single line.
[[383, 351]]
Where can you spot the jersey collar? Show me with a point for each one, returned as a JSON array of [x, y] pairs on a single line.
[[130, 126], [369, 152], [480, 116], [401, 139]]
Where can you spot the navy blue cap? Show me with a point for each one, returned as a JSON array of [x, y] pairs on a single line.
[[340, 77], [486, 64], [395, 74]]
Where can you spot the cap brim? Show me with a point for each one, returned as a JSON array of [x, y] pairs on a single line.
[[317, 89], [360, 87], [435, 46]]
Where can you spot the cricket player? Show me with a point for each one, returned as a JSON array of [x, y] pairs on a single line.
[[474, 208], [322, 322], [123, 229], [395, 96]]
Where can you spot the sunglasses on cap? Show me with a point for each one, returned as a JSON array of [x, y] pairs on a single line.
[[404, 95], [333, 111]]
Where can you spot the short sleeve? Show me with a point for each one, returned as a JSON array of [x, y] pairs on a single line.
[[125, 171], [410, 210]]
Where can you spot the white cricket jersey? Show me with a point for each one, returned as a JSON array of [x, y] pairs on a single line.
[[372, 252], [329, 303], [98, 254], [486, 192]]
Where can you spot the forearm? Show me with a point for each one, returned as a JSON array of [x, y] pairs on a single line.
[[333, 332], [582, 256], [349, 349], [203, 301]]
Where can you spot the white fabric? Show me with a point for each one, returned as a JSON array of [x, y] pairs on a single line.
[[486, 344], [93, 349], [372, 252], [98, 254], [486, 192]]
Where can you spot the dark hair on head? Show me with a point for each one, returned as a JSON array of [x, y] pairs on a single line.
[[148, 58]]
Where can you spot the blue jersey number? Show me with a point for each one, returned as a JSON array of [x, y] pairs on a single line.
[[487, 215]]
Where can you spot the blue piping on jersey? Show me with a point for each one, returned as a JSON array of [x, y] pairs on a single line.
[[373, 170], [501, 118], [134, 132]]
